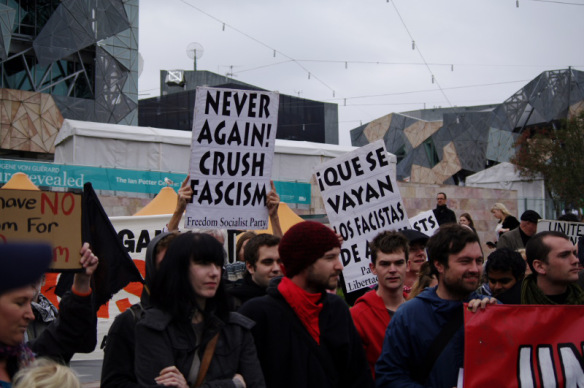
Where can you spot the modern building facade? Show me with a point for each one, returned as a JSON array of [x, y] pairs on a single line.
[[298, 118], [75, 59], [443, 146]]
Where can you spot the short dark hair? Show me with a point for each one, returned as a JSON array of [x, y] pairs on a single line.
[[252, 248], [389, 242], [171, 288], [449, 239], [570, 217], [536, 249], [505, 259], [444, 194]]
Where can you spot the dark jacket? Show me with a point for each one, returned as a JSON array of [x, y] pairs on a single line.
[[444, 215], [163, 342], [118, 360], [410, 334], [245, 291], [290, 357], [74, 330]]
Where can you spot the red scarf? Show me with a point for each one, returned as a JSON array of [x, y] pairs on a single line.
[[304, 304]]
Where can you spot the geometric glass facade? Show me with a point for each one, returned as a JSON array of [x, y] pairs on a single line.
[[443, 146], [84, 53]]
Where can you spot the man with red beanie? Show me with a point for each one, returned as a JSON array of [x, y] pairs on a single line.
[[305, 336]]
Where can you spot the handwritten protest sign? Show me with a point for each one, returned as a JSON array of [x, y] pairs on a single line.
[[361, 200], [425, 222], [501, 350], [54, 217], [234, 134], [574, 230]]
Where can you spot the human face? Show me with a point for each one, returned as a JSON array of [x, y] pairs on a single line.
[[500, 281], [528, 227], [204, 279], [16, 313], [324, 273], [267, 267], [464, 221], [390, 269], [440, 200], [498, 214], [462, 274], [561, 267], [417, 256]]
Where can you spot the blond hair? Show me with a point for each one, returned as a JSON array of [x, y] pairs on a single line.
[[46, 373], [502, 208]]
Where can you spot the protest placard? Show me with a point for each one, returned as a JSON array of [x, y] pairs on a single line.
[[54, 217], [361, 200], [425, 222], [524, 346], [234, 135], [574, 230]]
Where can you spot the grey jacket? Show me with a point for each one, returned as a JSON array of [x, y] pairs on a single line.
[[511, 239]]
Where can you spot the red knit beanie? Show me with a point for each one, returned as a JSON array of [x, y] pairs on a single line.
[[303, 244]]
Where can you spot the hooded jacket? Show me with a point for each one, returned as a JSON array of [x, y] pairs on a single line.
[[371, 319], [118, 360], [410, 334]]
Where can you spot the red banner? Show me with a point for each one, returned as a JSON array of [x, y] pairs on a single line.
[[524, 346]]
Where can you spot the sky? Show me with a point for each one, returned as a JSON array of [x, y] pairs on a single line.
[[371, 57]]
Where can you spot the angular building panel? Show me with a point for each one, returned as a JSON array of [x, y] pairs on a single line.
[[81, 53], [449, 144]]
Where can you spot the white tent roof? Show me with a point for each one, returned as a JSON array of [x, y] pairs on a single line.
[[531, 193], [502, 173], [145, 148]]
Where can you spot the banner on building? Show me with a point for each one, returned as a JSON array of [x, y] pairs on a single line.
[[234, 135], [524, 346], [361, 200], [574, 230], [54, 217]]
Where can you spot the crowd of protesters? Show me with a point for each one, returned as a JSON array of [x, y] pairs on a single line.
[[282, 324]]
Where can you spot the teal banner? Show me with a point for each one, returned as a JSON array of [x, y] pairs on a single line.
[[293, 192], [47, 175]]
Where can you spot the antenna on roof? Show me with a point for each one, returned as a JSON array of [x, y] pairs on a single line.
[[195, 51]]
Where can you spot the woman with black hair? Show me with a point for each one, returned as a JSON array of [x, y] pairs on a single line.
[[189, 337]]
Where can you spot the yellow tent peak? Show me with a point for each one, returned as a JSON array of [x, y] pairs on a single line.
[[163, 203], [20, 181]]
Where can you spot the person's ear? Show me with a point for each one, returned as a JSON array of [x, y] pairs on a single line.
[[372, 268], [250, 268], [538, 266], [439, 266]]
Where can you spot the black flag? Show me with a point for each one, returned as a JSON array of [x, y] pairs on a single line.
[[116, 268]]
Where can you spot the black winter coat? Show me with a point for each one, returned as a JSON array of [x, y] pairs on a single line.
[[162, 342], [291, 358]]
